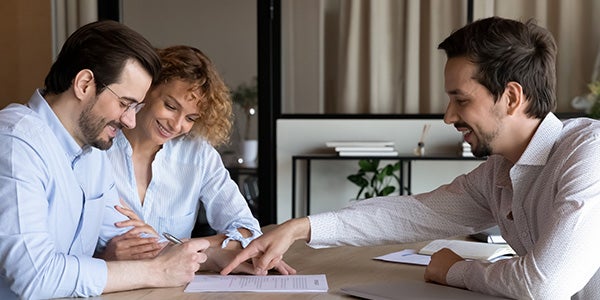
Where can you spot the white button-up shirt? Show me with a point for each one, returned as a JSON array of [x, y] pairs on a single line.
[[186, 173], [547, 206]]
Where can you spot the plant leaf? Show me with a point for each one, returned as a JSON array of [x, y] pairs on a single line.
[[388, 170], [368, 165], [358, 180], [359, 192], [387, 190], [380, 177]]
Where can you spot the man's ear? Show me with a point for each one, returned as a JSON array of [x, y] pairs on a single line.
[[84, 84], [516, 99]]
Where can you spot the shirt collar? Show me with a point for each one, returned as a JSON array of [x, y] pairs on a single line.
[[121, 142], [38, 104], [542, 142]]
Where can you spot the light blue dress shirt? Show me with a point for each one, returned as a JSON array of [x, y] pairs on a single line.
[[185, 173], [53, 195]]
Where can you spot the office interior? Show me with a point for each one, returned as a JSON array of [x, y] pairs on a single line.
[[270, 40]]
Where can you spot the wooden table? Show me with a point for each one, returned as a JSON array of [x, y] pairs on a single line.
[[343, 266]]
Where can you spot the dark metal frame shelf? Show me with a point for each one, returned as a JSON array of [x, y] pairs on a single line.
[[405, 164]]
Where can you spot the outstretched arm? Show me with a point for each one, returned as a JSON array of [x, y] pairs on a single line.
[[267, 251]]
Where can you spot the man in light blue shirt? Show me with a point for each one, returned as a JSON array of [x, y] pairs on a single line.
[[55, 182]]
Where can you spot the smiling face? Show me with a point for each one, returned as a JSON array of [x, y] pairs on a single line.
[[171, 111], [471, 108], [104, 115]]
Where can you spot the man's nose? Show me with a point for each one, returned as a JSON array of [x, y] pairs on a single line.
[[128, 118]]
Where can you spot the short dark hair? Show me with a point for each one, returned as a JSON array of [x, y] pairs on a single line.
[[103, 47], [506, 50]]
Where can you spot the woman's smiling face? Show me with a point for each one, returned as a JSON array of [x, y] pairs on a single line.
[[171, 111]]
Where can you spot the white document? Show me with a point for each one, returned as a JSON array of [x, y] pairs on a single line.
[[251, 283], [408, 256]]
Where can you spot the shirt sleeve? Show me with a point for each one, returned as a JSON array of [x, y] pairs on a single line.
[[384, 220], [226, 208]]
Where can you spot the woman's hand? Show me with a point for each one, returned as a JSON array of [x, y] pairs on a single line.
[[138, 243], [218, 258], [140, 227]]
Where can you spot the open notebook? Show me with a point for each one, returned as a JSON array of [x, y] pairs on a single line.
[[411, 289], [470, 250]]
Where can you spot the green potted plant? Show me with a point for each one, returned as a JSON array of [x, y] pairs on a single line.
[[373, 180], [594, 87], [245, 95]]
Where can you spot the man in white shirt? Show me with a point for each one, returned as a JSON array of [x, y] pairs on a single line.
[[540, 183]]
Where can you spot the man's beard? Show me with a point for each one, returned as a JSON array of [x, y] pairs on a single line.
[[92, 126], [482, 150], [484, 147]]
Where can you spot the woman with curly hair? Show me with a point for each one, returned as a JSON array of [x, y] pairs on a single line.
[[167, 170]]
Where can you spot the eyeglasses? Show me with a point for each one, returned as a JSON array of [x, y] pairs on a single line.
[[125, 103]]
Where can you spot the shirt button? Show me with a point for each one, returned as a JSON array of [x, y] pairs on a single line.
[[524, 234]]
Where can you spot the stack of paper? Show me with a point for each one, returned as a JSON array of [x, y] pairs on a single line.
[[364, 148], [250, 283]]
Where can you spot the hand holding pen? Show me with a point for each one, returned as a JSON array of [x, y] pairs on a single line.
[[182, 258]]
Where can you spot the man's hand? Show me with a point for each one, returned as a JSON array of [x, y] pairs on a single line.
[[267, 250], [440, 264], [218, 258], [130, 246], [178, 263], [175, 266]]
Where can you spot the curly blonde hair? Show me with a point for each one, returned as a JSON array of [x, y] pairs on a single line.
[[192, 66]]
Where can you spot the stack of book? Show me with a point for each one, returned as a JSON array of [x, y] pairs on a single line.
[[363, 148], [466, 150]]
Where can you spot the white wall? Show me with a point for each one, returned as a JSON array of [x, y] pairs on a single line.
[[329, 187]]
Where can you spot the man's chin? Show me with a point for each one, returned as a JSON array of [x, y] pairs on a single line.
[[480, 153], [103, 144]]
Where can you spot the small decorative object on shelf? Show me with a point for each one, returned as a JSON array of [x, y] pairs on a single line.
[[420, 150], [466, 150]]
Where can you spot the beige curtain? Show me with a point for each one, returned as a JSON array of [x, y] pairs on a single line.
[[378, 67], [576, 27], [387, 59], [68, 15]]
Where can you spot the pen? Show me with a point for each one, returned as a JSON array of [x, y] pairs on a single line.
[[171, 238]]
